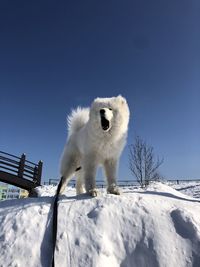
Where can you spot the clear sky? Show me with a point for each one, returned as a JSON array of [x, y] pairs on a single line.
[[55, 55]]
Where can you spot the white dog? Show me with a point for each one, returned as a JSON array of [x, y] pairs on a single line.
[[96, 137]]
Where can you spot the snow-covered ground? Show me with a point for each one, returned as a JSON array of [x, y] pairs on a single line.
[[188, 188], [155, 227]]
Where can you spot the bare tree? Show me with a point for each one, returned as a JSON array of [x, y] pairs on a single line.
[[142, 162]]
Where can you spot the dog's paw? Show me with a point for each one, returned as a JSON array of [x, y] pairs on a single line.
[[80, 191], [113, 189], [93, 192]]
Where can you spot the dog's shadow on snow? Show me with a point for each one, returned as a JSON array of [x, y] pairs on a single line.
[[65, 198]]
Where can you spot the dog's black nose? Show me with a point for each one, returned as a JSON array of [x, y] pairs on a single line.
[[102, 111]]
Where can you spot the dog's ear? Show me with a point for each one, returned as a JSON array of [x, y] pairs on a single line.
[[121, 99]]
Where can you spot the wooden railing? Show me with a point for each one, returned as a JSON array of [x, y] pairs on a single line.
[[20, 172]]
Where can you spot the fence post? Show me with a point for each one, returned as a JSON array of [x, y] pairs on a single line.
[[40, 163], [21, 166]]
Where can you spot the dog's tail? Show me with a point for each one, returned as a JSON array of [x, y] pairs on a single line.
[[77, 119]]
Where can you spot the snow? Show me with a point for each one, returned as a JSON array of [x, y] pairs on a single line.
[[159, 226], [191, 188]]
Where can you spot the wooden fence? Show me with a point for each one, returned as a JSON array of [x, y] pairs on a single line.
[[121, 183], [99, 183], [20, 172]]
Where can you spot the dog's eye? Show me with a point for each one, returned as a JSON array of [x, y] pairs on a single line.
[[110, 108]]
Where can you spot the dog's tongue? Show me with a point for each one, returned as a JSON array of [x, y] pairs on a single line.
[[104, 123]]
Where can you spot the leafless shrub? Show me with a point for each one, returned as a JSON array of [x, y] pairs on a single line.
[[142, 162]]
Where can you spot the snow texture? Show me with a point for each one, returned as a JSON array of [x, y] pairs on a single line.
[[155, 227]]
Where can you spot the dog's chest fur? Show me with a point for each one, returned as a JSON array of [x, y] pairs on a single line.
[[105, 148]]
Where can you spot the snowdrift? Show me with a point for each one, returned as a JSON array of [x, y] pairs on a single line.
[[157, 227]]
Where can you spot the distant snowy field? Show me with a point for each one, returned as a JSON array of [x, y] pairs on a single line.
[[189, 188], [159, 226]]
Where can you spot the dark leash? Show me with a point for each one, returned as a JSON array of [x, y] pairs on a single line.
[[55, 217]]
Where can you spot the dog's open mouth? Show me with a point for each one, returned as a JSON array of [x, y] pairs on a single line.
[[105, 124]]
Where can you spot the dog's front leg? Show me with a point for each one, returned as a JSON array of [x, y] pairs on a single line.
[[90, 168], [110, 167]]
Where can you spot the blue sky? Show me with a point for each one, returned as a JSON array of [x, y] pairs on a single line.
[[55, 55]]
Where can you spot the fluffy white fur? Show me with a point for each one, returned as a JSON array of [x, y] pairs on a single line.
[[96, 136]]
